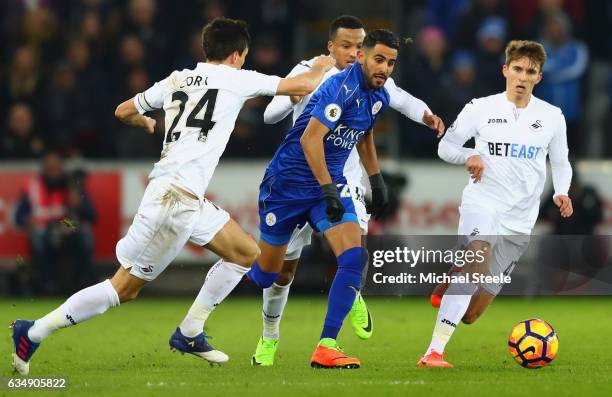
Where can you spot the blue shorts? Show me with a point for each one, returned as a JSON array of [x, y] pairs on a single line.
[[283, 207]]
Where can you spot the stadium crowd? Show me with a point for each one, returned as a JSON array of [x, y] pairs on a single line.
[[65, 65]]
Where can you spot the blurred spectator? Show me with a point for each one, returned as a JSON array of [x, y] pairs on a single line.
[[132, 54], [55, 211], [265, 56], [471, 20], [561, 85], [490, 54], [456, 90], [423, 72], [444, 14], [24, 82], [426, 68], [588, 210], [529, 16], [140, 23], [19, 141], [193, 53], [131, 142], [71, 117]]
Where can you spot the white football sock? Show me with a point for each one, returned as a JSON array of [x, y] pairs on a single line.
[[83, 305], [274, 301], [220, 280], [453, 307]]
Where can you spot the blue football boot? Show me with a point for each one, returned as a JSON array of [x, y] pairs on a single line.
[[198, 346]]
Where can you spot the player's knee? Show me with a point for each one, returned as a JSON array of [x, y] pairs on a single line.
[[479, 246]]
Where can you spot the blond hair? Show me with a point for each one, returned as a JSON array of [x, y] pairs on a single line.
[[532, 50]]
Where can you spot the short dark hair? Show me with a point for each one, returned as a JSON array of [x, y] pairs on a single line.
[[222, 36], [381, 36], [346, 22]]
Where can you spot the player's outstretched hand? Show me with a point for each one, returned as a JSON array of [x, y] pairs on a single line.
[[475, 167], [335, 209], [324, 61], [565, 205], [434, 122], [149, 126], [380, 196]]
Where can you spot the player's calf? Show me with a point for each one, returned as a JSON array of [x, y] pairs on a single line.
[[288, 273], [126, 285], [479, 303]]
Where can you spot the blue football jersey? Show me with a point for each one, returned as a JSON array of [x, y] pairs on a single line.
[[345, 105]]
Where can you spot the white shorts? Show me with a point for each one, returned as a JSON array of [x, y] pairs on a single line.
[[301, 237], [165, 221], [478, 223]]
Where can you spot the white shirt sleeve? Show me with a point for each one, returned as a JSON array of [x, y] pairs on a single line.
[[252, 84], [153, 98], [450, 148], [406, 104], [559, 162], [281, 105], [279, 108]]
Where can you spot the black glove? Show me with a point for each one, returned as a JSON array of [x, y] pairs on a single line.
[[335, 209], [380, 196]]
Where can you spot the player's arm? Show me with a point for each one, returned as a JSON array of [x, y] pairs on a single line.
[[314, 151], [561, 169], [279, 108], [450, 148], [367, 153], [413, 108], [127, 113], [306, 82], [312, 144], [131, 111], [282, 105]]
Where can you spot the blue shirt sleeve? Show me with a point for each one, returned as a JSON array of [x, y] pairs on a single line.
[[331, 99]]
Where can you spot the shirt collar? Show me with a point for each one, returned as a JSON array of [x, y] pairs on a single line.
[[514, 106]]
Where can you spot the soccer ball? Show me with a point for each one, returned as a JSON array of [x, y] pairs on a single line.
[[533, 343]]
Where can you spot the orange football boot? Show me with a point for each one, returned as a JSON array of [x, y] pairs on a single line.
[[434, 360], [328, 355]]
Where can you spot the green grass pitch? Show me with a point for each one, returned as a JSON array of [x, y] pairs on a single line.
[[125, 352]]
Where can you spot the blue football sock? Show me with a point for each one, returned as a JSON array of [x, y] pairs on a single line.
[[261, 278], [342, 293]]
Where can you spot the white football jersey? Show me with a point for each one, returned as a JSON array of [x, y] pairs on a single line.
[[201, 106], [513, 144], [400, 100]]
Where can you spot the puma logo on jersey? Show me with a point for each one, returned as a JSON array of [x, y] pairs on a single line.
[[358, 100], [346, 88], [497, 121]]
